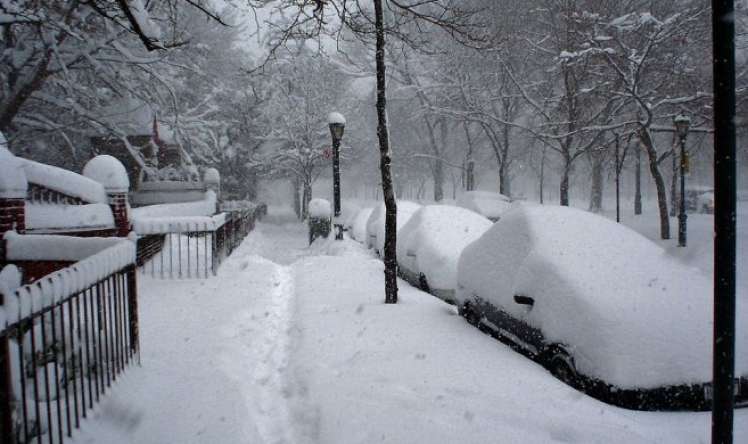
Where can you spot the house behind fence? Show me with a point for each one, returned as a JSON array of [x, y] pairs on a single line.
[[70, 247]]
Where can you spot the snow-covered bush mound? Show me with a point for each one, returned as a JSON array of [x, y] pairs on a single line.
[[320, 209], [64, 181], [433, 239], [375, 223], [490, 204], [628, 313], [204, 207], [64, 217], [358, 226]]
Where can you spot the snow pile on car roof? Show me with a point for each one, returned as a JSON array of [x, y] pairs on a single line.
[[432, 240], [632, 315], [490, 204], [359, 224], [375, 223]]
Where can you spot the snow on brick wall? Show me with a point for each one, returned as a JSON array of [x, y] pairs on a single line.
[[205, 207], [54, 216], [64, 181], [320, 208], [160, 225], [24, 301]]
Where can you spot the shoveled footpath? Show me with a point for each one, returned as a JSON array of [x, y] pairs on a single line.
[[290, 344]]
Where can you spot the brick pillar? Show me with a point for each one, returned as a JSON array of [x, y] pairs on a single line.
[[118, 204], [12, 215]]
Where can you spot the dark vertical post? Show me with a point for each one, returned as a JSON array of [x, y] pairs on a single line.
[[723, 40], [336, 187], [7, 434], [618, 180], [638, 181], [337, 127], [132, 311], [682, 217]]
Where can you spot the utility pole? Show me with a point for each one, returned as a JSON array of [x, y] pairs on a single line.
[[723, 41]]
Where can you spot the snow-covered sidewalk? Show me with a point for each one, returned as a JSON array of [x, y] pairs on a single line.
[[290, 344]]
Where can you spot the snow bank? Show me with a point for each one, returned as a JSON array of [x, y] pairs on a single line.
[[490, 204], [13, 183], [64, 181], [320, 209], [359, 224], [64, 217], [212, 176], [630, 314], [186, 224], [109, 172], [375, 223], [433, 239], [413, 372], [204, 207]]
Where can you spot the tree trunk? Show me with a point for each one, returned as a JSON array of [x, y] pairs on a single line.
[[564, 186], [296, 198], [307, 197], [638, 182], [646, 140], [674, 187], [469, 162], [390, 224], [596, 188], [437, 166], [505, 186], [542, 174]]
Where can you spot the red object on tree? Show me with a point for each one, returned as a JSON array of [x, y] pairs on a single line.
[[327, 152]]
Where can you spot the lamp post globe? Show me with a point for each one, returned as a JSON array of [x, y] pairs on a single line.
[[682, 123], [337, 127]]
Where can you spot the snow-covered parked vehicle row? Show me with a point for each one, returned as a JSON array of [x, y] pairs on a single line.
[[429, 246], [603, 308], [375, 223], [490, 204]]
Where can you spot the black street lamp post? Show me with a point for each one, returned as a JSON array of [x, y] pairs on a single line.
[[337, 126], [682, 122]]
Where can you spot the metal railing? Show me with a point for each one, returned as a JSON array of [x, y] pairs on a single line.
[[57, 361], [191, 247]]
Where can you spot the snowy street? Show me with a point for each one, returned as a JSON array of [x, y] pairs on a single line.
[[291, 344]]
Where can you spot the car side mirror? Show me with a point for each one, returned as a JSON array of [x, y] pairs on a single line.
[[524, 300]]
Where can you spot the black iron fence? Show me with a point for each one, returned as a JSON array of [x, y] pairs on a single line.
[[191, 247], [58, 360]]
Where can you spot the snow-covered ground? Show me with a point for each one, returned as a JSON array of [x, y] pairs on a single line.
[[293, 344]]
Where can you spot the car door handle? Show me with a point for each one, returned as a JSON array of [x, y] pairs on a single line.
[[524, 300]]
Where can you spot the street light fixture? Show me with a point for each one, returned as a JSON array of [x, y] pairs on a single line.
[[682, 123], [337, 127]]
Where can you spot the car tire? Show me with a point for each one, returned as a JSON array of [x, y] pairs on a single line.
[[471, 316], [561, 365], [423, 283]]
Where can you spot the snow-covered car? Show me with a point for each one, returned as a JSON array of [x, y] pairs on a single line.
[[603, 308], [693, 195], [430, 244], [358, 224], [705, 202], [489, 204], [375, 223]]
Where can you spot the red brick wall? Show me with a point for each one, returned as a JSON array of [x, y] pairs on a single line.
[[34, 270], [118, 204], [12, 215]]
